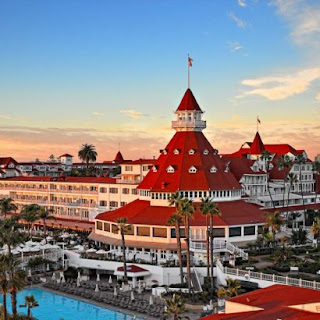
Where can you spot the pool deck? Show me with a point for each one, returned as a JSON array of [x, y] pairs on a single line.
[[193, 315]]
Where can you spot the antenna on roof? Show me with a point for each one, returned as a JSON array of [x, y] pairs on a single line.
[[258, 122]]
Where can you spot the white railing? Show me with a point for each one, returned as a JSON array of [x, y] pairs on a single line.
[[247, 275], [219, 245]]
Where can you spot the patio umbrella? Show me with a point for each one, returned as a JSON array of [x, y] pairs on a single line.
[[97, 288], [139, 286], [101, 251], [65, 235], [122, 285], [29, 273], [211, 305], [78, 282], [79, 275], [132, 295], [110, 280], [115, 293], [48, 267], [49, 238], [53, 276], [62, 279], [151, 300], [98, 277], [91, 250]]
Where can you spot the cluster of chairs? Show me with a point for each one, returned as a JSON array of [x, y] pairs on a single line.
[[141, 302]]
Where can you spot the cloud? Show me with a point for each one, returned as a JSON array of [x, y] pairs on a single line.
[[281, 87], [303, 18], [318, 96], [134, 114], [234, 46], [5, 117], [98, 114], [240, 23], [242, 3]]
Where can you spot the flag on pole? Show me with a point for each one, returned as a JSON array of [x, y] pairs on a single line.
[[258, 120], [189, 62]]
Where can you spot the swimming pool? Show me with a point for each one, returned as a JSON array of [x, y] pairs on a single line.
[[53, 306]]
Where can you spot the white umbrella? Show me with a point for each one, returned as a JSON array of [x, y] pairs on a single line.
[[64, 236], [98, 277], [151, 300], [110, 280], [115, 293], [29, 273], [122, 286], [53, 276], [49, 238], [139, 286], [97, 288], [92, 250], [78, 282], [101, 251], [79, 275], [14, 251], [48, 267], [62, 279], [132, 295], [34, 249], [31, 243], [78, 246], [54, 246], [25, 249], [46, 246]]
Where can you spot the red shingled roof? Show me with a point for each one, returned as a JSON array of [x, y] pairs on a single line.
[[5, 161], [181, 178], [188, 102], [119, 157], [257, 146], [132, 268], [141, 212], [66, 155]]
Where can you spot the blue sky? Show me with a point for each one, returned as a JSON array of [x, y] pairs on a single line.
[[105, 72]]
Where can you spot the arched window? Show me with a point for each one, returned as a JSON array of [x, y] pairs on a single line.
[[213, 169], [192, 169]]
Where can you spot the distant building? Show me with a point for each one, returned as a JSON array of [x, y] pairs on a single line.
[[9, 167]]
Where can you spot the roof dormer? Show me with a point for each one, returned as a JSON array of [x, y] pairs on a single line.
[[176, 151], [191, 152], [192, 169], [206, 152], [154, 169], [213, 169], [170, 169], [227, 169]]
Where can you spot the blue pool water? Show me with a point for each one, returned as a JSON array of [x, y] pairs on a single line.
[[54, 306]]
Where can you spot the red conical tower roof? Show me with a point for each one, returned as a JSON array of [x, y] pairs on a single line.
[[257, 146], [119, 157], [188, 102]]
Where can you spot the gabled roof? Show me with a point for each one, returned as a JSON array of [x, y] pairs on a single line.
[[257, 146], [5, 161], [141, 212], [277, 302], [188, 102], [181, 178], [66, 155], [118, 157]]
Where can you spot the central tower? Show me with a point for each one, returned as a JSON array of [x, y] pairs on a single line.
[[188, 114]]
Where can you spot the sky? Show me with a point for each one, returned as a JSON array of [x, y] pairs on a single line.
[[112, 73]]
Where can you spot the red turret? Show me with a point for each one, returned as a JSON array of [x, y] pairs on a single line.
[[119, 157], [257, 146], [188, 102]]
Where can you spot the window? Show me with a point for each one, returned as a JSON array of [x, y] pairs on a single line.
[[191, 152], [235, 232], [213, 169], [182, 233], [114, 204], [206, 152], [218, 232], [99, 225], [160, 232], [176, 151], [128, 168], [114, 229], [192, 169], [106, 227], [125, 190], [103, 203], [145, 168], [104, 190], [134, 191], [122, 203], [143, 231], [249, 231], [170, 169], [113, 190]]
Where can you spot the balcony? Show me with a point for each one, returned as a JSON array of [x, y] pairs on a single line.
[[201, 124]]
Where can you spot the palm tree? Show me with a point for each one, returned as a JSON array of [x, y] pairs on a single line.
[[187, 211], [315, 229], [300, 160], [9, 234], [266, 157], [175, 307], [233, 287], [209, 208], [30, 302], [284, 162], [4, 282], [17, 280], [316, 169], [176, 220], [124, 228], [44, 215], [273, 222], [291, 179], [30, 214], [6, 206], [88, 153]]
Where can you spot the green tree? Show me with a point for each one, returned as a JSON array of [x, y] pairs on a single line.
[[301, 160], [176, 220], [209, 208], [316, 170], [299, 236], [6, 206], [44, 214], [233, 287], [87, 153], [9, 234], [175, 307], [30, 302], [266, 157], [273, 222], [123, 227], [30, 214], [4, 282], [187, 211], [315, 229], [291, 179]]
